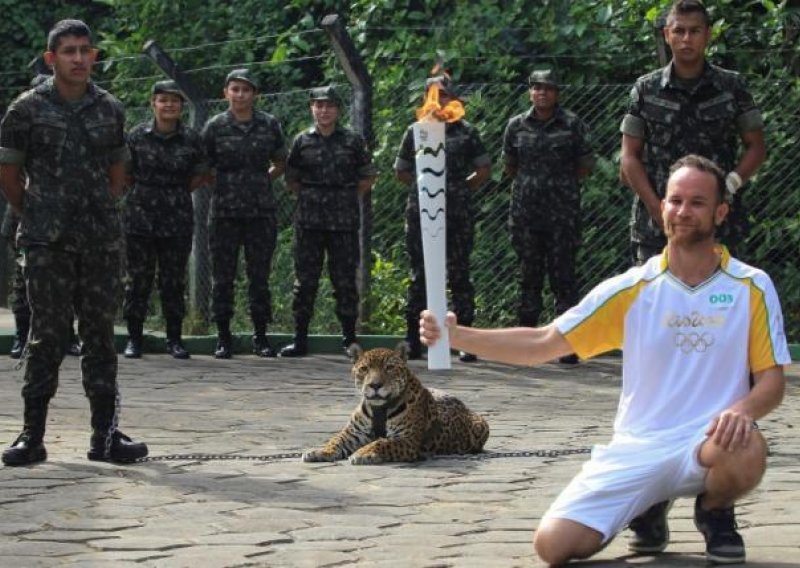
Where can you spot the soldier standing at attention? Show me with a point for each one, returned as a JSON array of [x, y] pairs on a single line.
[[687, 107], [546, 150], [247, 151], [167, 164], [65, 137], [468, 167], [328, 168]]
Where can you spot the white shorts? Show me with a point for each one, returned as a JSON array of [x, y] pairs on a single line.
[[624, 478]]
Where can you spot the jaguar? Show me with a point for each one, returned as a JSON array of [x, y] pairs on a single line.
[[398, 419]]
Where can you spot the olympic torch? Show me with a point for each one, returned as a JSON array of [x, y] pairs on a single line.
[[429, 143]]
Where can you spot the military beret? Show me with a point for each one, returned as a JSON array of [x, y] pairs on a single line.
[[543, 77], [242, 75], [328, 93], [169, 87]]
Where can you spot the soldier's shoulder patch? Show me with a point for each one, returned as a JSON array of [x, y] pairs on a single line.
[[138, 130], [653, 77], [725, 77], [569, 116]]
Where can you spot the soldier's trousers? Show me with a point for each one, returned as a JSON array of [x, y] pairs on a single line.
[[257, 236], [148, 256], [460, 239], [540, 253], [310, 248], [59, 284]]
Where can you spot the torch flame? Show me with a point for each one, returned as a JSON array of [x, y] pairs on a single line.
[[431, 109]]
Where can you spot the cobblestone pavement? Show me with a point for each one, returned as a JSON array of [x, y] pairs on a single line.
[[202, 513]]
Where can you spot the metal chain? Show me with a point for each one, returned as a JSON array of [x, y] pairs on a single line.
[[220, 457], [518, 454], [295, 455]]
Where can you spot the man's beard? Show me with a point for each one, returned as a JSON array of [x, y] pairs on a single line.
[[693, 237]]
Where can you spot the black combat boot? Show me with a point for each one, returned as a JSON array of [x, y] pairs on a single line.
[[107, 442], [224, 348], [348, 334], [133, 350], [29, 447], [261, 346], [299, 345], [174, 342]]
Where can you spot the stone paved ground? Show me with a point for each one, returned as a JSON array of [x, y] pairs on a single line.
[[440, 513]]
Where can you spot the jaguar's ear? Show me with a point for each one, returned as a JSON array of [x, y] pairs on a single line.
[[402, 350], [355, 351]]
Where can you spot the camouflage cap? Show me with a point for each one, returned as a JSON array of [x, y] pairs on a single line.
[[328, 93], [242, 75], [543, 77], [167, 86], [445, 83]]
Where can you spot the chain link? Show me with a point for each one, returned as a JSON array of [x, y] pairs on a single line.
[[296, 455]]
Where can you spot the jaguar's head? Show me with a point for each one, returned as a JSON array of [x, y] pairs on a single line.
[[380, 375]]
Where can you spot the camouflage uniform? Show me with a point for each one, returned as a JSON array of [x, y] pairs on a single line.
[[545, 213], [675, 119], [328, 169], [69, 233], [464, 152], [242, 208], [158, 216]]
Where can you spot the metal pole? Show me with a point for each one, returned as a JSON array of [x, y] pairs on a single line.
[[200, 271], [361, 120]]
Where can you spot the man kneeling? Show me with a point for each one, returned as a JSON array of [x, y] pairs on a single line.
[[693, 324]]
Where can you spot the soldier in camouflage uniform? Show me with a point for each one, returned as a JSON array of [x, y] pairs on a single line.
[[468, 167], [329, 168], [546, 150], [247, 150], [167, 164], [687, 107], [65, 138]]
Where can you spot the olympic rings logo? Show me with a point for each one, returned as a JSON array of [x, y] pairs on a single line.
[[697, 342]]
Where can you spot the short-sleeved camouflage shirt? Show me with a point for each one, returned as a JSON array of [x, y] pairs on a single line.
[[162, 165], [705, 117], [328, 169], [464, 151], [547, 156], [241, 153], [65, 150]]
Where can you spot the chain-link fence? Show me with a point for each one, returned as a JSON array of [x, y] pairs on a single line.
[[773, 202]]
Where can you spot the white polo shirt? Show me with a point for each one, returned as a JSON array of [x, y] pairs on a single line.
[[687, 351]]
